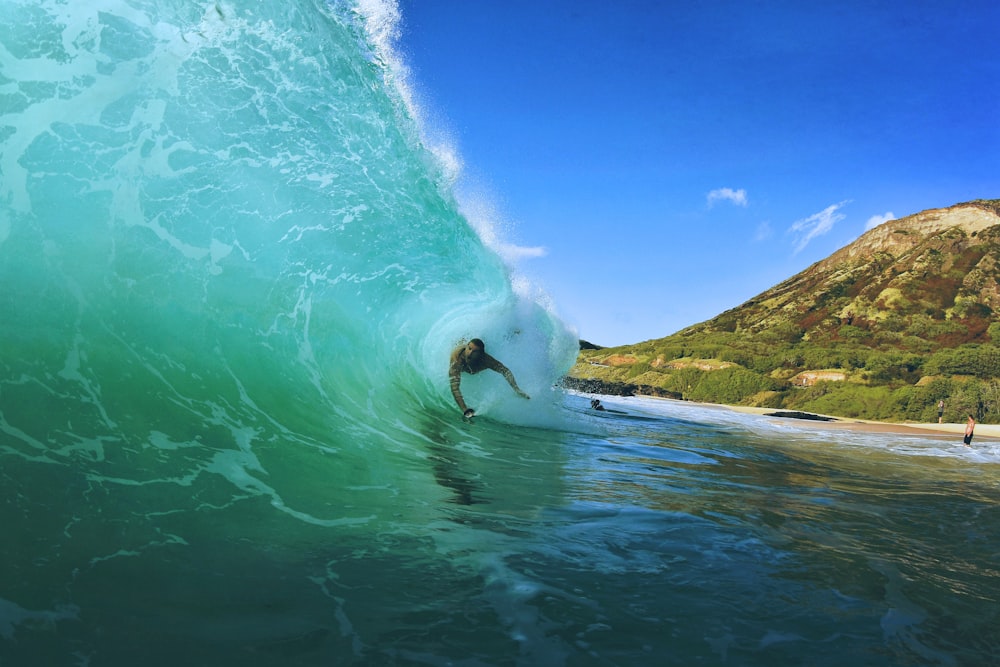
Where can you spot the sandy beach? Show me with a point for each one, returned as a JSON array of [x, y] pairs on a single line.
[[983, 431]]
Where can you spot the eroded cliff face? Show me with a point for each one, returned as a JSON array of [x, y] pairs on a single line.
[[901, 236], [940, 265]]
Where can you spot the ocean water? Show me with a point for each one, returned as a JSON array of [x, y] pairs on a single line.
[[232, 267]]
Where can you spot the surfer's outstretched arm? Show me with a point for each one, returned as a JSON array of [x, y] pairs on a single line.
[[455, 374], [494, 364]]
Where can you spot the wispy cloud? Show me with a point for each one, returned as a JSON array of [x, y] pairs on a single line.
[[877, 220], [738, 197], [763, 231], [816, 224]]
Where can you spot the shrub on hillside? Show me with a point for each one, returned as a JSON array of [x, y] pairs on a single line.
[[731, 385], [982, 361]]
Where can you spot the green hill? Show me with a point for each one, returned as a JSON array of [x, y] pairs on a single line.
[[905, 316]]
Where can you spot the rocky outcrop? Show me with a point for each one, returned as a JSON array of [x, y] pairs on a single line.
[[593, 386], [795, 414], [901, 236], [809, 378]]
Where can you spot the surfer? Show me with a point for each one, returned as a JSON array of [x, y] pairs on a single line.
[[597, 405], [970, 426], [472, 358], [940, 410]]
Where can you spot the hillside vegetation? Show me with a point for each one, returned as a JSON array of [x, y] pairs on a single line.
[[907, 315]]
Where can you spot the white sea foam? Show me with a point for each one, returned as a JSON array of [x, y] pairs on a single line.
[[807, 432]]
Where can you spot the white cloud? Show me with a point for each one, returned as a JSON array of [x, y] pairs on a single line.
[[816, 224], [738, 197], [877, 220], [763, 231]]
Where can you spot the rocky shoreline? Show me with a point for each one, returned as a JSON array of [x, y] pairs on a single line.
[[592, 386]]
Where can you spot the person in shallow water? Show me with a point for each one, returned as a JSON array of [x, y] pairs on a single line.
[[472, 358], [970, 426]]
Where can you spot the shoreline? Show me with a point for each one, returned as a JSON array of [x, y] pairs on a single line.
[[983, 431]]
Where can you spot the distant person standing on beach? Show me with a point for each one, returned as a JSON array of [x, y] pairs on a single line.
[[940, 410], [970, 426]]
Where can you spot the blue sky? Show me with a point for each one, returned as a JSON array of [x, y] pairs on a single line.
[[661, 162]]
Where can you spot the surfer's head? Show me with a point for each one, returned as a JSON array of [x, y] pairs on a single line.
[[475, 349]]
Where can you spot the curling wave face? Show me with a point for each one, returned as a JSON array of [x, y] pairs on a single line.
[[220, 228]]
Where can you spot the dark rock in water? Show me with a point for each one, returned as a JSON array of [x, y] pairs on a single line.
[[801, 415]]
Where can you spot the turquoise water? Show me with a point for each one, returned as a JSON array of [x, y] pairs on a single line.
[[232, 269]]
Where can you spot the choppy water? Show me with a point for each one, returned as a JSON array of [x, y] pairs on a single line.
[[231, 271]]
